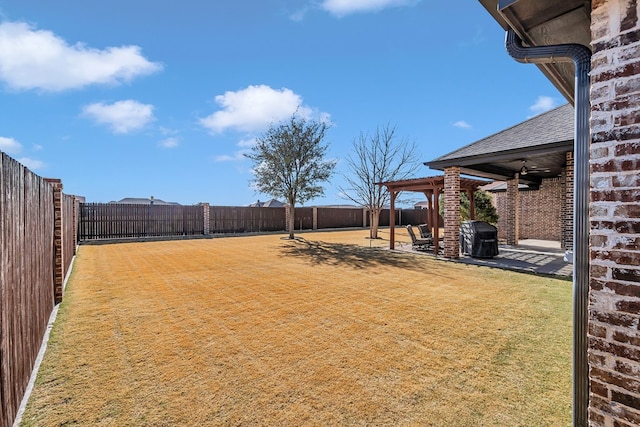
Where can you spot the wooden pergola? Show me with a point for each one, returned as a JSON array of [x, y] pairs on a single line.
[[431, 187]]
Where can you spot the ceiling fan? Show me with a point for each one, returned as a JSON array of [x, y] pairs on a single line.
[[524, 170]]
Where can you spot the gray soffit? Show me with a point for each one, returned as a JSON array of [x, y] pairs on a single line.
[[547, 22]]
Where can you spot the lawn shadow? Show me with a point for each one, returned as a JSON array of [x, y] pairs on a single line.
[[319, 252]]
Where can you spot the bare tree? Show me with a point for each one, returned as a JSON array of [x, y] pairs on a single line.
[[376, 158], [289, 162]]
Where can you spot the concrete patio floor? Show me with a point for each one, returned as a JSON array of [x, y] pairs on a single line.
[[531, 256]]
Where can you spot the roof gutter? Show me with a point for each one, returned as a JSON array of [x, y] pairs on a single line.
[[581, 57]]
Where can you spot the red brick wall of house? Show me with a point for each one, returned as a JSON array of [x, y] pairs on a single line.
[[614, 307], [541, 211]]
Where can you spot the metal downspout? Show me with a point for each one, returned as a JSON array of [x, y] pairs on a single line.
[[581, 57]]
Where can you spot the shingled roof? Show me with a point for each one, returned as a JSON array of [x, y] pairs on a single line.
[[542, 139], [547, 128]]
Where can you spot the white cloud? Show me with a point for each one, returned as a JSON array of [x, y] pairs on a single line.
[[237, 156], [542, 104], [122, 116], [167, 131], [169, 142], [244, 145], [462, 124], [342, 8], [13, 147], [247, 142], [30, 163], [39, 59], [299, 14], [254, 108], [10, 145]]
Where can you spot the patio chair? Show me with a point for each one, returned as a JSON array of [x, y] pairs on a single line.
[[425, 231], [419, 244]]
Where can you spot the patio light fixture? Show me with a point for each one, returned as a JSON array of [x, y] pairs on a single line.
[[524, 169]]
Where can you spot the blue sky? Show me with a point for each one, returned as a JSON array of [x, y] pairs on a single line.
[[139, 98]]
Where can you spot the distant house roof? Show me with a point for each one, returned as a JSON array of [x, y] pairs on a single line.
[[143, 201], [421, 205], [540, 141], [273, 203], [500, 186]]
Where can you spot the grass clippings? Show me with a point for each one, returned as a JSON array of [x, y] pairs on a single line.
[[321, 330]]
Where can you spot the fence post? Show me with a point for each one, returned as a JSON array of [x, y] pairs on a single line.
[[286, 219], [76, 207], [315, 217], [206, 229], [58, 259]]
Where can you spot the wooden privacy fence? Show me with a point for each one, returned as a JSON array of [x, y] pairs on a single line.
[[37, 245], [119, 221], [341, 217], [236, 219], [114, 221], [410, 216]]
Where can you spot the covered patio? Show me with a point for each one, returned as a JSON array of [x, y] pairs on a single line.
[[532, 153]]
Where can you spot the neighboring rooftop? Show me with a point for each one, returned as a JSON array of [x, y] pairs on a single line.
[[500, 186], [273, 203], [143, 201]]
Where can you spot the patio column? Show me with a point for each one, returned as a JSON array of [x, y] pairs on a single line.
[[435, 220], [452, 212], [567, 212], [513, 210]]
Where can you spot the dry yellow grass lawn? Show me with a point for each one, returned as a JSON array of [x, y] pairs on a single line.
[[319, 331]]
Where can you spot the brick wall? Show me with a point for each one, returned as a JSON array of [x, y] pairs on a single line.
[[513, 211], [541, 211], [614, 308]]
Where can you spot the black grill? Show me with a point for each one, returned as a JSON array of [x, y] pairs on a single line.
[[479, 239]]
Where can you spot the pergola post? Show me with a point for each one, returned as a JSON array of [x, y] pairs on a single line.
[[429, 196], [452, 212], [392, 220]]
